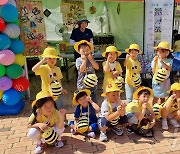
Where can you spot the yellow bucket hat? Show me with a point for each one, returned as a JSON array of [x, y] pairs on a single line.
[[81, 42], [41, 94], [111, 49], [135, 95], [134, 46], [164, 45], [50, 52], [74, 101], [111, 88], [174, 86]]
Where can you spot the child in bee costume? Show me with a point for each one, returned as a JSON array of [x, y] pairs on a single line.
[[111, 67], [46, 123], [85, 114], [161, 67], [112, 114], [51, 75], [140, 113], [85, 65], [133, 69], [170, 109]]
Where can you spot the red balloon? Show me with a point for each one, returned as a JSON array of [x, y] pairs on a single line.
[[2, 24], [20, 84]]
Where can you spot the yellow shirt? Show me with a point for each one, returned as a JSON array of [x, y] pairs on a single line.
[[48, 75], [54, 119], [132, 66], [135, 107], [174, 106], [108, 78]]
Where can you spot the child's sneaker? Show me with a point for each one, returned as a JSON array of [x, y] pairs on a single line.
[[164, 124], [174, 123], [39, 148], [59, 144], [72, 131], [117, 130], [66, 123], [103, 137], [91, 134], [129, 130]]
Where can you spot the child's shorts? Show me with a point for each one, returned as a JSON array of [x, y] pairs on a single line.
[[102, 121], [60, 102], [94, 126], [132, 119]]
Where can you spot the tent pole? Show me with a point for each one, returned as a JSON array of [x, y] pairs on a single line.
[[109, 28], [144, 24], [27, 77]]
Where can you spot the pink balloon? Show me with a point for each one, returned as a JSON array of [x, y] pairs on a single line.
[[7, 57], [5, 83], [2, 2]]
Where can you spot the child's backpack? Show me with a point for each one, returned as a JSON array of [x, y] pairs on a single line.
[[55, 88], [83, 122], [136, 80], [90, 80], [115, 121], [143, 129], [50, 136], [160, 75], [119, 82]]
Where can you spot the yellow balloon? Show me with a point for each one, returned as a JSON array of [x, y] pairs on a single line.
[[20, 59], [1, 93]]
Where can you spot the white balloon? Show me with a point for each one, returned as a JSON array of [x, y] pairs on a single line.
[[12, 2], [12, 30]]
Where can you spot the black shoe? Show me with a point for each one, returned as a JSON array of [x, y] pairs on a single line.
[[129, 130]]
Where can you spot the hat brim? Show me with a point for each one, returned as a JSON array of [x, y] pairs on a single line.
[[88, 92], [33, 103], [140, 51], [156, 48], [80, 21], [113, 90], [83, 41], [135, 95], [118, 53], [50, 56]]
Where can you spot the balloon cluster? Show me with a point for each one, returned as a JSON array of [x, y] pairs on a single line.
[[12, 80]]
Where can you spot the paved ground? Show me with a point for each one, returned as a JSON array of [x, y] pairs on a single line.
[[13, 131]]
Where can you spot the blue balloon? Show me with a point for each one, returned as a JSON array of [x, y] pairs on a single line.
[[11, 97], [11, 110], [5, 42], [16, 46], [9, 13]]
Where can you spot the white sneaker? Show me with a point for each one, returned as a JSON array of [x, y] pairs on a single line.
[[39, 148], [59, 144], [91, 134], [72, 131], [174, 123], [164, 124], [103, 137]]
